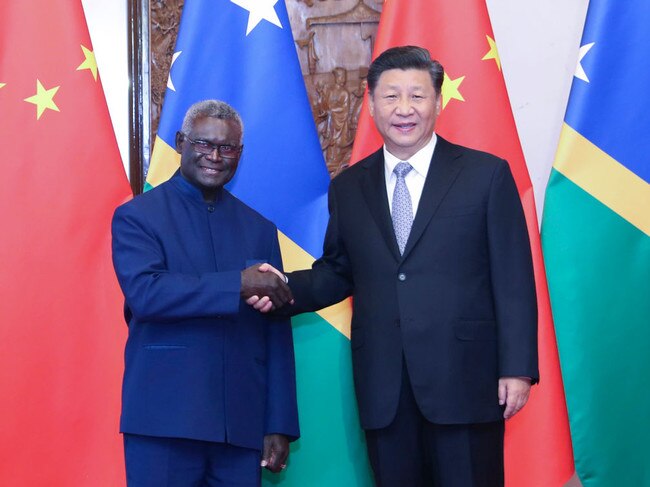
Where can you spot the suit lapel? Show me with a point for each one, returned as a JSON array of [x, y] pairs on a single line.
[[373, 187], [442, 173]]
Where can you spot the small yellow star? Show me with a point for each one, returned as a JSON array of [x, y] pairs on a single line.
[[492, 53], [89, 63], [450, 90], [43, 99], [2, 85]]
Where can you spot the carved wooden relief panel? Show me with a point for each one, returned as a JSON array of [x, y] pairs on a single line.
[[165, 18], [334, 41]]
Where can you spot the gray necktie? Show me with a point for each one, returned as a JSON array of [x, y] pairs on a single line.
[[402, 212]]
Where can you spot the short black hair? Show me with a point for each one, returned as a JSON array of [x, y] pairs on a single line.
[[405, 57]]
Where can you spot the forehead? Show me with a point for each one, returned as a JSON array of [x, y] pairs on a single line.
[[405, 79], [215, 129]]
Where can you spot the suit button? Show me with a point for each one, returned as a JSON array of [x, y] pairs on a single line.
[[211, 209], [401, 276]]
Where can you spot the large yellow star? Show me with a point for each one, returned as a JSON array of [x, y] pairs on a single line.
[[89, 62], [450, 90], [492, 53], [43, 99]]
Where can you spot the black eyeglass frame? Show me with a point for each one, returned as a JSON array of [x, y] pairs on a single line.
[[206, 148]]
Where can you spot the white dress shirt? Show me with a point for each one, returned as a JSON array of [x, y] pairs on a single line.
[[414, 180]]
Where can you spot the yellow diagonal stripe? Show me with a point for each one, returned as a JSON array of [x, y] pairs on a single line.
[[295, 258], [164, 162], [604, 178]]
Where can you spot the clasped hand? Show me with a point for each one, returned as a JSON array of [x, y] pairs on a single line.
[[263, 287]]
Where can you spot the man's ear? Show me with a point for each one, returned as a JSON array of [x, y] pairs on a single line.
[[371, 106], [180, 137]]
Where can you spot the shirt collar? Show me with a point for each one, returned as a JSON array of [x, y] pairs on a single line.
[[420, 161], [189, 190]]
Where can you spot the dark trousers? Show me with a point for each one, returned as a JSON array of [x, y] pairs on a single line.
[[179, 462], [412, 452]]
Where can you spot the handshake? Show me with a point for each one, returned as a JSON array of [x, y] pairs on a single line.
[[265, 288]]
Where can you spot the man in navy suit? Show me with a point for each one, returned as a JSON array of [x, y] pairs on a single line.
[[209, 384], [430, 240]]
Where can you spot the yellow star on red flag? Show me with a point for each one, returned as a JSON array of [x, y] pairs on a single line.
[[2, 85], [43, 99], [450, 90], [89, 62], [492, 53]]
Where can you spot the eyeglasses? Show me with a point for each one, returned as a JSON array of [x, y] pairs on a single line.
[[204, 147]]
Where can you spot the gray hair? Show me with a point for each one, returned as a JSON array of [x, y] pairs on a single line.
[[212, 109]]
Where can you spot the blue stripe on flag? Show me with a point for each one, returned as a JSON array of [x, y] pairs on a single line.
[[609, 109]]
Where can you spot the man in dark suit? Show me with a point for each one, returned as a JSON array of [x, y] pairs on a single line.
[[430, 240], [209, 384]]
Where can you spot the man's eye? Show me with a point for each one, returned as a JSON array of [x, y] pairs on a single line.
[[202, 144], [227, 149]]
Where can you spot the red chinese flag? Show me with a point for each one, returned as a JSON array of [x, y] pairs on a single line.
[[476, 113], [61, 330]]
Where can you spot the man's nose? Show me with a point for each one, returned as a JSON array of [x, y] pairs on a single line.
[[214, 155], [404, 105]]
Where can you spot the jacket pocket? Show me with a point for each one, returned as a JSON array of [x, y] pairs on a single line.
[[476, 330]]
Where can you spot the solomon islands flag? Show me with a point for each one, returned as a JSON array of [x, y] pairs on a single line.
[[596, 239]]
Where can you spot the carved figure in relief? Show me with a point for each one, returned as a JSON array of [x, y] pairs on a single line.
[[355, 108], [337, 135], [319, 111], [312, 56]]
